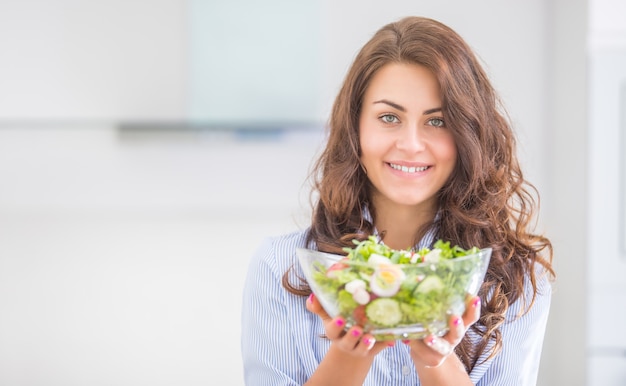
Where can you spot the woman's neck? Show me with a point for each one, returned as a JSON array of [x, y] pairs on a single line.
[[399, 225]]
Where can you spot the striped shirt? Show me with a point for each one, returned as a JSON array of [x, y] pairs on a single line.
[[281, 343]]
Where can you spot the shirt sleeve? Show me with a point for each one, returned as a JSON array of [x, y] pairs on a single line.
[[522, 341], [268, 350]]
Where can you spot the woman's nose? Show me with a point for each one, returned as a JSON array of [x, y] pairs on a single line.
[[411, 139]]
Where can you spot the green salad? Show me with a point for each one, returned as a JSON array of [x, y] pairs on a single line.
[[383, 289]]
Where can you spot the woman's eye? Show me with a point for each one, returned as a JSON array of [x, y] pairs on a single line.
[[437, 122], [388, 118]]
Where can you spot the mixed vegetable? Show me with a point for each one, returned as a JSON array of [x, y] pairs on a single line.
[[383, 289]]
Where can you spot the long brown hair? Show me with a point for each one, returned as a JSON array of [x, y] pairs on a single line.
[[487, 201]]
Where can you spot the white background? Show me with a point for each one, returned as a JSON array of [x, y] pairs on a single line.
[[122, 255], [607, 198]]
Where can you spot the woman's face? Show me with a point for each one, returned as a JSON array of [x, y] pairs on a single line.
[[406, 148]]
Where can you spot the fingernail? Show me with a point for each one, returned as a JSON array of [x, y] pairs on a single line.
[[369, 342], [356, 332], [476, 302], [430, 341], [406, 341], [391, 344], [340, 322], [311, 297], [457, 325]]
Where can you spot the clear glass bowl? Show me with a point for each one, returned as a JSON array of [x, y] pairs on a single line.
[[394, 301]]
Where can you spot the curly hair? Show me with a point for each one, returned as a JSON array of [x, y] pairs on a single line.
[[486, 201]]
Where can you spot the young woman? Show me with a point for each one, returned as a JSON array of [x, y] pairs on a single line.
[[418, 150]]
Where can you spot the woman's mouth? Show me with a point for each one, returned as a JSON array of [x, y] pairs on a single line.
[[409, 169]]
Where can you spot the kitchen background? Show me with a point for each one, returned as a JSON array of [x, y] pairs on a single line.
[[148, 146]]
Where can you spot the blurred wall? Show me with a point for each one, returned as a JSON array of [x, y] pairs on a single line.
[[122, 253], [565, 203], [92, 60], [606, 210]]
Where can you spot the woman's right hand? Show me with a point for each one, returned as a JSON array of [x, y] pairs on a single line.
[[352, 341]]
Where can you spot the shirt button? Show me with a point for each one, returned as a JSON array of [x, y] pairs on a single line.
[[406, 370]]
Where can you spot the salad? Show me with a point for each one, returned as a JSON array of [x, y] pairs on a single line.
[[399, 293]]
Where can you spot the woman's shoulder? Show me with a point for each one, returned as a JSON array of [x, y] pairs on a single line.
[[538, 282], [279, 251], [536, 294]]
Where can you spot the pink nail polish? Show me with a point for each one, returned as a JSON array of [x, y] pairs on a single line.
[[368, 342], [476, 302], [456, 322], [340, 322], [430, 341], [356, 333], [311, 297], [406, 341], [391, 344]]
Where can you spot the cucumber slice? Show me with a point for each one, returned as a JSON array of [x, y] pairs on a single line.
[[384, 312], [430, 283]]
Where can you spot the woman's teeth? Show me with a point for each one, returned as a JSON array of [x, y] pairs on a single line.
[[408, 169]]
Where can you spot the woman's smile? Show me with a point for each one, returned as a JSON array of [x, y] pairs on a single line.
[[407, 168]]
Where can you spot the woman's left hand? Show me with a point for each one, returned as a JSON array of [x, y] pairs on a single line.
[[432, 351]]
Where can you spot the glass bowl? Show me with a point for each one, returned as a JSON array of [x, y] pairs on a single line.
[[394, 301]]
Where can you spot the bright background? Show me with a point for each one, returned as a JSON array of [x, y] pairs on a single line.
[[148, 146]]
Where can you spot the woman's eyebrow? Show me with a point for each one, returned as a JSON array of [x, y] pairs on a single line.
[[394, 105], [430, 111], [403, 109]]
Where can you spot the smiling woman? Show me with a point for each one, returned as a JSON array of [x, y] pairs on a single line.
[[417, 151]]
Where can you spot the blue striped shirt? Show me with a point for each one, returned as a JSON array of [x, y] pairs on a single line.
[[281, 343]]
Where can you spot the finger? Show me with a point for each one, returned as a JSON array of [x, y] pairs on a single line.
[[439, 345], [313, 305], [430, 351], [445, 344], [354, 341], [458, 325], [335, 327], [472, 311], [456, 330], [368, 344]]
